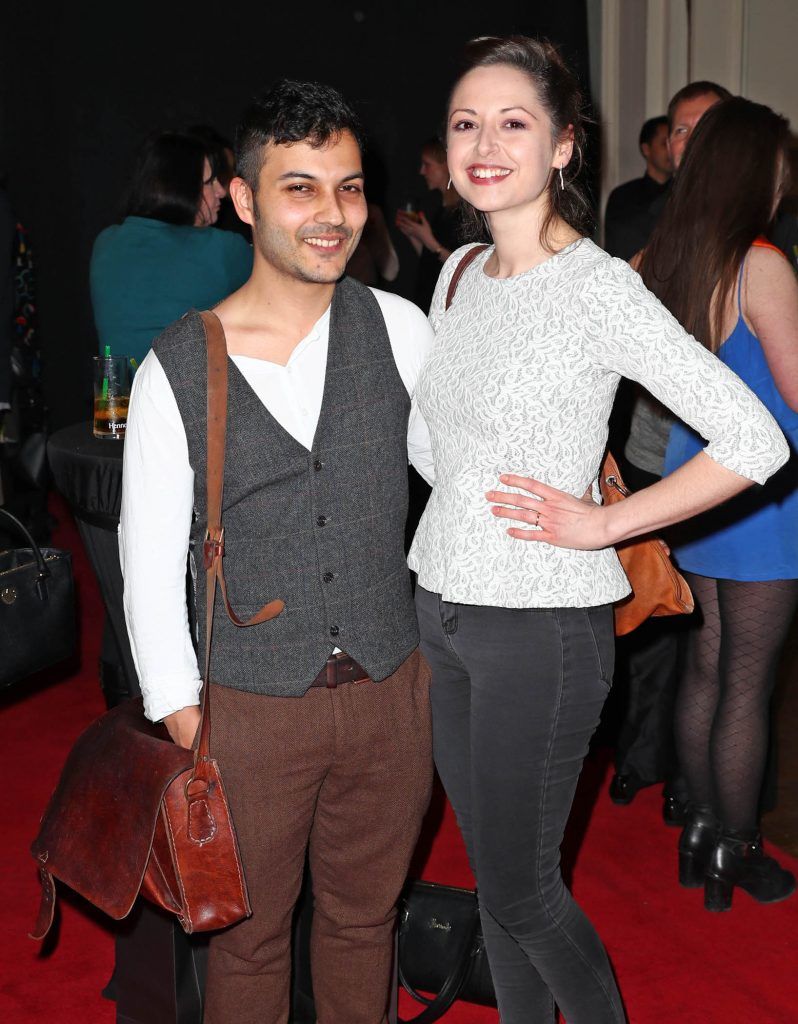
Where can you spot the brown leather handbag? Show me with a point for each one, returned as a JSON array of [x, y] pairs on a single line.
[[657, 586], [133, 813]]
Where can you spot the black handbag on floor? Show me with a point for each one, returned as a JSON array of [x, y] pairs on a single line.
[[37, 607], [441, 949]]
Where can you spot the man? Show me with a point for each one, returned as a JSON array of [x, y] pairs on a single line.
[[319, 428], [627, 221], [645, 752]]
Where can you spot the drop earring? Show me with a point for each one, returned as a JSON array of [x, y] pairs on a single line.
[[449, 185], [562, 183]]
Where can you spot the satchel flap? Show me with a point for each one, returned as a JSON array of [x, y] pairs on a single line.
[[92, 836]]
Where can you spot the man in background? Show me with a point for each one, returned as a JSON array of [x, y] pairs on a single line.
[[628, 220]]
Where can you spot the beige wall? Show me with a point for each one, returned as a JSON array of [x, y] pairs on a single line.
[[770, 62]]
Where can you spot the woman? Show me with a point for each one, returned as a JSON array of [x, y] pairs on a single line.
[[165, 257], [741, 300], [433, 239], [517, 623]]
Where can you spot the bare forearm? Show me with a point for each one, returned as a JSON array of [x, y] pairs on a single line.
[[698, 485], [561, 519]]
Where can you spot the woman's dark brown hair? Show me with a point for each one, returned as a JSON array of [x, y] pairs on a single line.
[[166, 183], [561, 98], [722, 198]]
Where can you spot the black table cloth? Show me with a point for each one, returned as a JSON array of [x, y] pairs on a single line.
[[88, 471]]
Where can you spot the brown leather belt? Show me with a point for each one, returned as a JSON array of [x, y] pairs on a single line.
[[340, 668]]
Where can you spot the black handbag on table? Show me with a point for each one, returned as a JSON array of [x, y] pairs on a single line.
[[37, 607], [441, 949]]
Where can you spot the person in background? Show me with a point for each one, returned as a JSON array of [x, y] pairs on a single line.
[[710, 265], [517, 624], [628, 220], [374, 260], [166, 257], [648, 658], [433, 239], [223, 159]]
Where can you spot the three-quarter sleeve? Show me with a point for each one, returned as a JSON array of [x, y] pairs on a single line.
[[629, 331]]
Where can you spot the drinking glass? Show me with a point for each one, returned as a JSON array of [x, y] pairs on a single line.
[[111, 396]]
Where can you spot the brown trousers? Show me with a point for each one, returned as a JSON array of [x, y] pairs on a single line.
[[344, 773]]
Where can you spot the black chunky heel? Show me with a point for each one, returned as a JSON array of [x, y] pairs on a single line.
[[717, 894], [696, 843], [692, 870], [739, 860]]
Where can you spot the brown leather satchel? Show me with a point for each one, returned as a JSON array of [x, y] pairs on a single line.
[[657, 586], [133, 813]]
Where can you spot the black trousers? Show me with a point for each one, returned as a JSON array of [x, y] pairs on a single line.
[[648, 667], [516, 696]]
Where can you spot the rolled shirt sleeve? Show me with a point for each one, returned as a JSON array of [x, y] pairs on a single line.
[[154, 528]]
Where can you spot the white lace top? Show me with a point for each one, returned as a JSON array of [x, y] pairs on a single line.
[[521, 378]]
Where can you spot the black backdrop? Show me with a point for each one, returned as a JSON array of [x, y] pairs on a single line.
[[83, 83]]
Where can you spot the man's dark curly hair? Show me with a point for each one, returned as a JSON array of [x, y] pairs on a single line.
[[291, 112]]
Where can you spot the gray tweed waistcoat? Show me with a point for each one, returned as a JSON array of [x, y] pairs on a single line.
[[323, 529]]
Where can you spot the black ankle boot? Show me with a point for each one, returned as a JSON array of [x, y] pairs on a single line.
[[739, 859], [674, 811], [696, 843], [624, 788]]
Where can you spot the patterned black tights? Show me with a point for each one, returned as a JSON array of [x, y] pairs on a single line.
[[722, 709]]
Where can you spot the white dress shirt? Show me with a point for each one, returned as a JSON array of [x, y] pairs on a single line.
[[158, 488]]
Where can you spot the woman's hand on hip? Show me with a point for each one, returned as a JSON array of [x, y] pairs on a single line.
[[550, 515]]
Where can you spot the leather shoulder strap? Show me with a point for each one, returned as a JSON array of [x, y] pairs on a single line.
[[214, 471], [213, 547], [460, 269], [217, 415]]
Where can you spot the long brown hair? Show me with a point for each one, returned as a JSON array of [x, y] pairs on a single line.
[[722, 198], [561, 98]]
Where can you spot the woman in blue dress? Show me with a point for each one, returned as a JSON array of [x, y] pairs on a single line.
[[709, 265]]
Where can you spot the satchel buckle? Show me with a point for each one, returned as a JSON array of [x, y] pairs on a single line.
[[212, 548]]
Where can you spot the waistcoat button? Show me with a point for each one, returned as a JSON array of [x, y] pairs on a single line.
[[328, 577], [317, 465], [334, 631], [321, 521]]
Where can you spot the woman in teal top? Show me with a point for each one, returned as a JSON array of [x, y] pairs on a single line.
[[738, 297], [165, 257]]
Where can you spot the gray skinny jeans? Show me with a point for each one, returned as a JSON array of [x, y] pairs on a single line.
[[516, 695]]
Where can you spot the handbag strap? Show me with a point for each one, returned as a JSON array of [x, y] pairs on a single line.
[[44, 572], [453, 985], [213, 546], [460, 269]]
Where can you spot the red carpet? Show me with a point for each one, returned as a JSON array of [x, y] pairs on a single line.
[[676, 964]]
